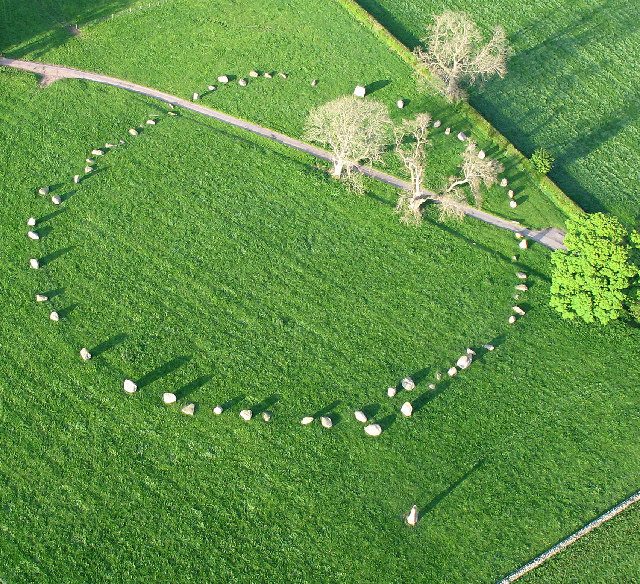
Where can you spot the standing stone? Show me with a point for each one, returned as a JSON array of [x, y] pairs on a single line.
[[41, 298], [314, 83], [400, 103], [44, 191], [283, 74], [133, 131], [326, 421], [482, 154], [408, 384], [211, 87], [85, 354], [521, 287], [437, 124], [360, 416], [254, 74], [521, 275], [151, 122], [54, 316], [88, 169], [131, 387], [189, 409], [432, 386], [109, 146], [412, 517], [223, 79], [452, 371], [89, 160], [511, 319], [306, 420], [513, 204], [518, 310], [360, 91], [76, 179], [523, 244], [242, 82], [56, 200], [373, 430], [217, 410], [391, 391], [504, 182], [266, 416], [169, 398], [34, 263], [510, 194], [447, 131], [246, 415], [33, 235], [462, 136], [195, 97], [97, 152], [31, 222], [406, 409], [267, 75]]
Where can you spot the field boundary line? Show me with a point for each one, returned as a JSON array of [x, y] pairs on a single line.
[[549, 237], [566, 542], [548, 187]]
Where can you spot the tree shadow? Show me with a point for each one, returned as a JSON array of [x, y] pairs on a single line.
[[435, 501], [110, 343], [376, 85], [186, 389], [163, 370], [390, 22], [265, 404], [49, 258]]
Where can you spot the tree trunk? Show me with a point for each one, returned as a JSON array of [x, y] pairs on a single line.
[[456, 184], [338, 165]]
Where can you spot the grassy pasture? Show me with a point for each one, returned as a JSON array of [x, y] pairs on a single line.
[[217, 265], [571, 87], [181, 46]]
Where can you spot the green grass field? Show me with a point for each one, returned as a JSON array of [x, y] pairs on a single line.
[[605, 555], [188, 43], [570, 87], [288, 288]]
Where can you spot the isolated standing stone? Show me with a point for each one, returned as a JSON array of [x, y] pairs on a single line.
[[34, 263], [406, 409], [151, 122], [189, 409], [432, 386], [400, 103], [195, 97], [54, 316], [130, 386], [314, 83], [359, 91], [373, 430], [360, 416], [412, 517], [85, 354], [482, 154], [246, 415]]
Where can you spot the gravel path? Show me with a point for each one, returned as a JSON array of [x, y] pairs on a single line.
[[551, 237]]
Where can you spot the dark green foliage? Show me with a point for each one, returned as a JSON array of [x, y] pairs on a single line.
[[542, 160]]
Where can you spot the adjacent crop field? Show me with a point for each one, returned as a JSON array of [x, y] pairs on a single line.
[[181, 46], [571, 88], [218, 267]]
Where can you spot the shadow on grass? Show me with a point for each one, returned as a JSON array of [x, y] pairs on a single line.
[[376, 85], [53, 293], [232, 402], [109, 344], [265, 404], [49, 258], [65, 312], [327, 409], [163, 370], [186, 389], [52, 215]]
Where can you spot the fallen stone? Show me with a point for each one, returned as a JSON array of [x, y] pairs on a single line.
[[489, 347], [223, 79], [246, 415], [84, 353], [110, 146], [391, 391], [437, 124], [373, 430], [76, 179], [266, 416], [523, 244], [254, 74], [314, 83], [513, 204], [512, 319], [359, 91], [33, 235], [267, 75], [360, 416], [54, 316], [88, 169], [151, 122], [44, 191], [408, 384], [518, 310], [326, 421], [133, 132], [41, 298], [462, 136], [189, 409], [452, 371], [172, 113], [131, 387], [31, 222], [306, 420], [242, 82], [34, 263], [482, 154], [217, 410], [400, 103], [504, 182], [521, 275], [211, 87], [56, 200], [283, 74], [97, 152], [521, 287], [406, 409], [169, 398]]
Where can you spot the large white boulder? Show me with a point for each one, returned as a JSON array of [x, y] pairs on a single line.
[[406, 409], [246, 415], [360, 416], [84, 354], [359, 91], [34, 263], [54, 316], [482, 154], [373, 430], [400, 104], [131, 387], [408, 384], [189, 409], [326, 421], [169, 398], [151, 122]]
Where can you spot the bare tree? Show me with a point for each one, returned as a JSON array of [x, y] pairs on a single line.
[[456, 53], [411, 138], [476, 171], [453, 205], [355, 129]]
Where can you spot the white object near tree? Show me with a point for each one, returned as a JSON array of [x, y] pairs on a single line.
[[512, 319], [391, 391], [97, 152], [223, 79], [437, 124], [84, 353], [44, 191], [54, 316], [406, 409], [412, 517], [360, 416], [513, 204], [373, 430], [504, 182], [246, 415], [189, 409], [326, 421], [31, 222], [359, 91], [400, 103], [41, 298], [452, 371], [306, 420], [133, 131], [131, 387], [76, 179], [56, 200], [266, 416], [33, 235], [34, 263], [169, 398], [521, 275], [242, 82], [217, 410], [518, 310], [482, 154], [408, 384], [462, 137], [521, 287]]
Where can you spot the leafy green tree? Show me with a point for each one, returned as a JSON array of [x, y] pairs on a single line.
[[590, 279], [542, 160]]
